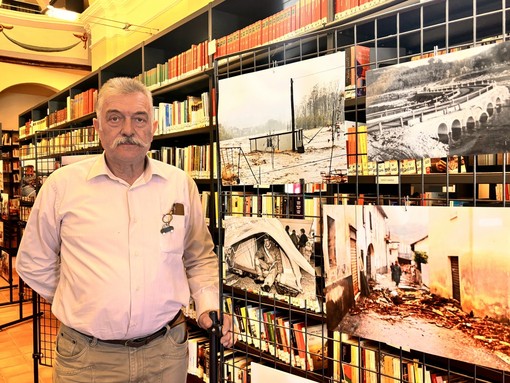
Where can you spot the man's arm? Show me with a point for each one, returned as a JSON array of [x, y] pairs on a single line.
[[38, 261]]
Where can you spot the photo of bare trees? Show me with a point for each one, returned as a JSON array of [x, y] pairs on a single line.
[[284, 124]]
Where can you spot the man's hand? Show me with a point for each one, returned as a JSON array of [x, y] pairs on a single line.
[[229, 336]]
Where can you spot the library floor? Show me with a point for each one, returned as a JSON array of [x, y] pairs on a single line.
[[16, 362]]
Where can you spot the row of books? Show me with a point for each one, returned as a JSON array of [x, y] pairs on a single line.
[[271, 204], [408, 167], [363, 361], [237, 367], [489, 159], [500, 192], [9, 166], [193, 112], [435, 52], [193, 159], [438, 52], [33, 126], [349, 8], [71, 140], [11, 138], [301, 17], [199, 354], [193, 60], [293, 341], [358, 163], [80, 105], [357, 146], [10, 206]]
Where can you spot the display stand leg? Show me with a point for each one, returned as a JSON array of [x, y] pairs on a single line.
[[20, 303], [36, 355], [214, 345]]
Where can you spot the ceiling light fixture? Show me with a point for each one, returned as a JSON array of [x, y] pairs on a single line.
[[61, 13]]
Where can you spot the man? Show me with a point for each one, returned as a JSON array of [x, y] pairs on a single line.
[[295, 239], [303, 239], [268, 263], [117, 243]]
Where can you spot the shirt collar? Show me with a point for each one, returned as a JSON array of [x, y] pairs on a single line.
[[99, 168]]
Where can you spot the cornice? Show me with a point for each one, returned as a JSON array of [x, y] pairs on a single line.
[[8, 17]]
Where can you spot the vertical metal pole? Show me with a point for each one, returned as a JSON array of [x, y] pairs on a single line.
[[214, 336], [36, 355], [293, 119]]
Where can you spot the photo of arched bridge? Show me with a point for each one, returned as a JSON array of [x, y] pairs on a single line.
[[441, 106]]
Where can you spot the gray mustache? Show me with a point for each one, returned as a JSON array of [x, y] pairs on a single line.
[[128, 140]]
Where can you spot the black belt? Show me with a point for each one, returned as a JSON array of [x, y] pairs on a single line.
[[139, 342]]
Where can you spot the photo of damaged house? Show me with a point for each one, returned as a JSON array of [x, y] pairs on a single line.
[[449, 104], [261, 256], [428, 278]]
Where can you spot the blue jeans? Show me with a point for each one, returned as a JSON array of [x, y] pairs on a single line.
[[82, 359]]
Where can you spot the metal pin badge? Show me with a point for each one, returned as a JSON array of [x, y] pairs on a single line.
[[167, 218]]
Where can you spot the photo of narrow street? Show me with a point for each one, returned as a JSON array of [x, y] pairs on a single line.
[[413, 318]]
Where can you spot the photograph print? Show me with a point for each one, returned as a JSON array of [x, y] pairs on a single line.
[[428, 278], [284, 124], [450, 104], [273, 256]]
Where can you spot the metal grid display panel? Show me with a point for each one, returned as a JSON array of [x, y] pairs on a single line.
[[399, 35], [46, 152], [48, 328]]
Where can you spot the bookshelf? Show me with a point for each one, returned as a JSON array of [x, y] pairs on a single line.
[[18, 293], [394, 34], [10, 208]]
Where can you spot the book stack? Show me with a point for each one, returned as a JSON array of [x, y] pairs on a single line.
[[357, 158], [350, 8], [191, 113], [272, 331], [191, 61], [81, 104], [301, 17]]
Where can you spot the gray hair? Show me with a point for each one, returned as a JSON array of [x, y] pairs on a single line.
[[121, 85]]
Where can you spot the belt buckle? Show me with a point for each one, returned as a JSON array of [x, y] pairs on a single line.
[[137, 342]]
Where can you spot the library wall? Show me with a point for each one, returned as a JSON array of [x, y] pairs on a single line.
[[108, 42], [261, 199], [27, 85]]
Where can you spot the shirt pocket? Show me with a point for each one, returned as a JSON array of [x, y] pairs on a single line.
[[173, 241]]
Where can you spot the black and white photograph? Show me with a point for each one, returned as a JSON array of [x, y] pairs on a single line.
[[284, 124], [427, 278], [273, 256], [449, 104]]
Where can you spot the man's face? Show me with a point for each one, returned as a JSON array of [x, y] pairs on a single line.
[[125, 128]]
